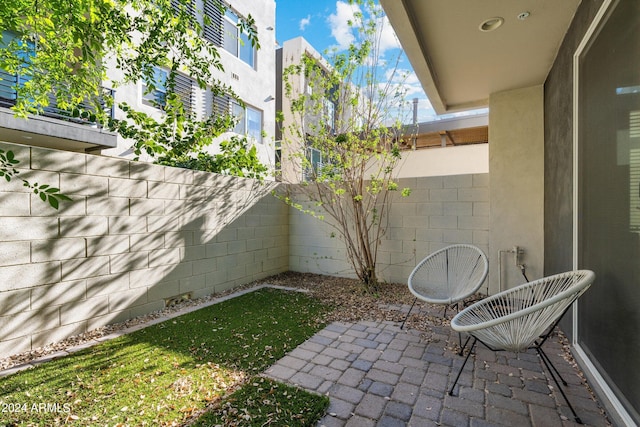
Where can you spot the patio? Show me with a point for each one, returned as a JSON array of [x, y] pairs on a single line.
[[379, 375]]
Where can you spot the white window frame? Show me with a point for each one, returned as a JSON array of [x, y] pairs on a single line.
[[151, 98], [243, 125], [330, 112], [240, 38]]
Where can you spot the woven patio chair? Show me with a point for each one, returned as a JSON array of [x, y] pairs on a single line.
[[522, 318], [448, 275]]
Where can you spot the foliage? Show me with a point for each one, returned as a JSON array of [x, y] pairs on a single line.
[[62, 50], [45, 192], [235, 158], [74, 42], [343, 118], [168, 373], [179, 139]]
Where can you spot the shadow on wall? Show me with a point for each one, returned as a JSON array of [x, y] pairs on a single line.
[[135, 236]]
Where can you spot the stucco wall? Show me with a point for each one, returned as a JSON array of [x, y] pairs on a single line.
[[516, 157], [440, 211], [558, 146], [443, 161], [134, 235]]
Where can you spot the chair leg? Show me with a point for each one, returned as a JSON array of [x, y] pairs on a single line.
[[462, 347], [553, 371], [552, 366], [463, 364], [408, 312]]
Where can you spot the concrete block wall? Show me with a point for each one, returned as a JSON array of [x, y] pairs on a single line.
[[134, 235], [440, 211]]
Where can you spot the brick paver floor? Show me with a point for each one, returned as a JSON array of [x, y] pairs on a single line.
[[376, 374]]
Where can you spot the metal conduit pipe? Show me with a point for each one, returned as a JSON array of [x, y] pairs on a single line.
[[517, 251]]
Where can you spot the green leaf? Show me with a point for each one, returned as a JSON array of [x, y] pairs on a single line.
[[53, 202]]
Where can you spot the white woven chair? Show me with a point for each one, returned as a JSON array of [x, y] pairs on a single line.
[[523, 317], [448, 275]]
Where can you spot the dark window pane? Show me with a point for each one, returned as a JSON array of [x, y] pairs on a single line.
[[609, 200]]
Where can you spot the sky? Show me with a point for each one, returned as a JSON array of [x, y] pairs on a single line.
[[323, 23]]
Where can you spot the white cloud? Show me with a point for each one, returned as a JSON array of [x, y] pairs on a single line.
[[304, 22], [342, 24], [339, 23], [388, 38]]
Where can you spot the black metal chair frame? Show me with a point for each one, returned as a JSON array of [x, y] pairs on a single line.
[[537, 346]]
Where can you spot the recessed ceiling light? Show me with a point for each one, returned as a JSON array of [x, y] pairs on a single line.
[[491, 24], [523, 16]]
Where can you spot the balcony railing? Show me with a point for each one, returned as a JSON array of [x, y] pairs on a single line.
[[84, 114]]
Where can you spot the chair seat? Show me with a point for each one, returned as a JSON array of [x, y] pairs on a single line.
[[513, 319], [449, 275]]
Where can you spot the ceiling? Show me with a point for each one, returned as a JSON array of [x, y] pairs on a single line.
[[459, 65]]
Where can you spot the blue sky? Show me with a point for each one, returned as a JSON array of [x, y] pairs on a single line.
[[323, 23]]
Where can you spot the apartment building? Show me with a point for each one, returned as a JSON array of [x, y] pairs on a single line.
[[248, 71], [290, 143], [447, 146]]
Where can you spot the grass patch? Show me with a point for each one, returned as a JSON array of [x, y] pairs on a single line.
[[264, 402], [166, 373]]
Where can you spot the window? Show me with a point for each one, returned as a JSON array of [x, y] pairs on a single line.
[[156, 95], [213, 25], [278, 158], [221, 29], [249, 121], [186, 88], [219, 105], [235, 41], [330, 113], [608, 188], [8, 94], [11, 85], [254, 123], [314, 168]]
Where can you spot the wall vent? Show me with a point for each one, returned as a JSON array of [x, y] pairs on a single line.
[[175, 300]]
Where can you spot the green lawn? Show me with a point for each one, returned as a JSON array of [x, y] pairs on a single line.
[[168, 373]]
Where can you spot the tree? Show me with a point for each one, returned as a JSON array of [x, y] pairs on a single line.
[[343, 118], [63, 48]]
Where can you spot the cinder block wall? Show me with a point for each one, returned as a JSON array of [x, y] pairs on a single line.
[[440, 211], [134, 235]]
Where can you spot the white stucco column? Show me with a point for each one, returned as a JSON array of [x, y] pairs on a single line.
[[516, 165]]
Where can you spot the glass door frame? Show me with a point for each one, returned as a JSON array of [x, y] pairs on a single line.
[[593, 374]]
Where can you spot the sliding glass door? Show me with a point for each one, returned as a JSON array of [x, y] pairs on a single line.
[[608, 216]]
